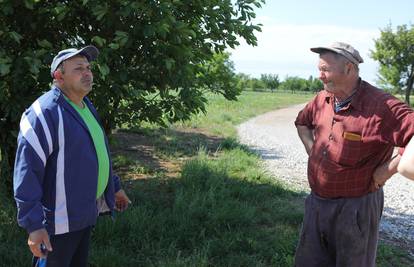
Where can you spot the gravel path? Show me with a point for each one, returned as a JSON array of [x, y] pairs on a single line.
[[273, 135]]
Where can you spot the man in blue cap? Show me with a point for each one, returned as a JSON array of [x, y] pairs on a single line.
[[63, 177]]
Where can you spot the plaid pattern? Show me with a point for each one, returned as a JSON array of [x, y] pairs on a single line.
[[351, 143]]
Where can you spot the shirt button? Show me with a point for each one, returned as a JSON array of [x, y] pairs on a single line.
[[324, 152]]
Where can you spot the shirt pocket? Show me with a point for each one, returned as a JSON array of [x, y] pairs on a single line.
[[348, 152]]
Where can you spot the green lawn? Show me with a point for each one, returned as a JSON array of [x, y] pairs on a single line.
[[220, 209], [223, 115]]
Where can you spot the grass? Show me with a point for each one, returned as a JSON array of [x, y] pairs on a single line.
[[222, 211], [223, 115], [13, 248], [393, 256], [218, 209]]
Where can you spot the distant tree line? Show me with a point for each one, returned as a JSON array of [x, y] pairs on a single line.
[[272, 82]]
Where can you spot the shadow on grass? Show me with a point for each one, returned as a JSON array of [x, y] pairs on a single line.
[[151, 148], [219, 213]]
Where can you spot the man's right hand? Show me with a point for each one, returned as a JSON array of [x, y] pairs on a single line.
[[36, 239]]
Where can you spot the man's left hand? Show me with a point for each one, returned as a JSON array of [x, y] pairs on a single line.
[[121, 200], [380, 177], [384, 172]]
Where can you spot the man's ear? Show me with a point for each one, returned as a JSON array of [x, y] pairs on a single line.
[[348, 68], [58, 75]]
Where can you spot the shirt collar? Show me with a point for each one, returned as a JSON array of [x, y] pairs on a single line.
[[356, 101]]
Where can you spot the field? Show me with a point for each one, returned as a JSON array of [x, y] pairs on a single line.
[[199, 198]]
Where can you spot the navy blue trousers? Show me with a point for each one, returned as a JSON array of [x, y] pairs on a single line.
[[69, 250]]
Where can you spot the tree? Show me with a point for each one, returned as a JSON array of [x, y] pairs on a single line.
[[256, 84], [270, 80], [395, 53], [294, 84], [153, 61], [217, 75], [314, 84], [243, 81]]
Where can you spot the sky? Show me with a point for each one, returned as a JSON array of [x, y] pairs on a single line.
[[291, 27]]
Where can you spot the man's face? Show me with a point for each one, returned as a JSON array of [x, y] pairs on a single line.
[[77, 75], [331, 72]]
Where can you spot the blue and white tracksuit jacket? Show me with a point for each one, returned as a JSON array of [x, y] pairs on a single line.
[[56, 168]]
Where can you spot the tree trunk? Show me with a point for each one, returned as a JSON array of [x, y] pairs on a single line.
[[409, 88]]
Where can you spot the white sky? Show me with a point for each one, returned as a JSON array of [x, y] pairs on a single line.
[[290, 28]]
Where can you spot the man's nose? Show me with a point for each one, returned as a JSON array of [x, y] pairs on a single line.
[[321, 75], [87, 72]]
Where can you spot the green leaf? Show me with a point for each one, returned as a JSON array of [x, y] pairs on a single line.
[[169, 63], [103, 69], [121, 38], [100, 11], [34, 68], [163, 29], [123, 77], [114, 46], [99, 41], [45, 44], [29, 4], [34, 64], [15, 36], [4, 69], [60, 12], [7, 9], [149, 31]]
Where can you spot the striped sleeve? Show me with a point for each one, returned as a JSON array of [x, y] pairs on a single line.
[[34, 145]]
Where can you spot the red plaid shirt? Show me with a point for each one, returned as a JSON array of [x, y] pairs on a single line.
[[351, 143]]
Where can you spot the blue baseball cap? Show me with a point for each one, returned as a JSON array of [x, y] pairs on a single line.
[[90, 52]]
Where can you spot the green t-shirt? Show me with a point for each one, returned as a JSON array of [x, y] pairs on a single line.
[[98, 138]]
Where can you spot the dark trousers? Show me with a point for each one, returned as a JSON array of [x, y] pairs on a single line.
[[340, 232], [69, 250]]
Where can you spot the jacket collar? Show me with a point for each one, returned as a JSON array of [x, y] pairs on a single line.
[[60, 99]]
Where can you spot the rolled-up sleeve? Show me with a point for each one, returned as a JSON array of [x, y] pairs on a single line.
[[398, 126], [305, 116]]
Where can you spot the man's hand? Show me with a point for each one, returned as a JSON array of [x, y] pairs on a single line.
[[121, 200], [384, 172], [380, 176], [36, 239]]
